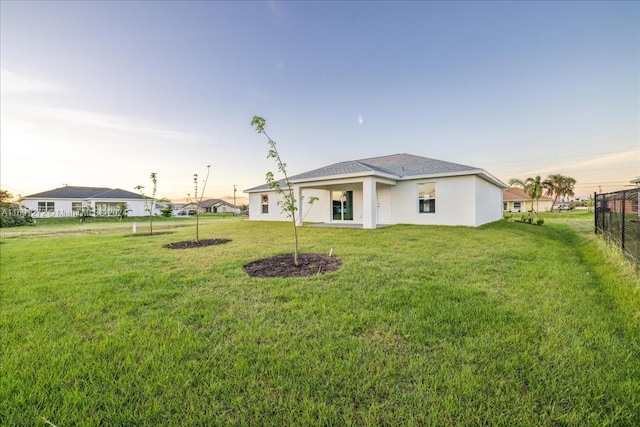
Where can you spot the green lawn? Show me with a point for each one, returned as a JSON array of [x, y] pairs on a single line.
[[507, 324]]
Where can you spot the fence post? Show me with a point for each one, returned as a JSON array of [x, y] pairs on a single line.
[[595, 213], [624, 202]]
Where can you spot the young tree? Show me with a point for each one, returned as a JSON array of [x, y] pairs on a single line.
[[123, 211], [558, 185], [167, 211], [198, 200], [533, 187], [289, 202], [85, 213], [149, 204], [590, 202]]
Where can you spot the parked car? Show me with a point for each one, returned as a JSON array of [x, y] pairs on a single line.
[[564, 207]]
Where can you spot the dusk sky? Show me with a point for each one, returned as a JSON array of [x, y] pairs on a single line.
[[104, 93]]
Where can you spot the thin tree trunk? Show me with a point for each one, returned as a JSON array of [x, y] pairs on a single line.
[[197, 222], [295, 230]]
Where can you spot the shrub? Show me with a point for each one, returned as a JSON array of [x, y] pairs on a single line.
[[15, 218], [167, 211]]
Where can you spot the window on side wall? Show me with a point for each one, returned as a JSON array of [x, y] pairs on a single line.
[[76, 206], [265, 203], [427, 197], [46, 207]]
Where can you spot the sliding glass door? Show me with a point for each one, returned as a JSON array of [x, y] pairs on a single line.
[[342, 205]]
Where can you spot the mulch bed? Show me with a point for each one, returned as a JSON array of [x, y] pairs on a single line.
[[193, 244], [282, 266]]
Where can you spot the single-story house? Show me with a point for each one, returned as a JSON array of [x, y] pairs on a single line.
[[515, 199], [211, 206], [217, 206], [70, 200], [394, 189], [160, 205], [625, 200]]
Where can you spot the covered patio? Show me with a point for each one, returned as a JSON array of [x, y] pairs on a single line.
[[358, 202]]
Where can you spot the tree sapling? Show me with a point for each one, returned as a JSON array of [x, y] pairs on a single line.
[[288, 204], [149, 203]]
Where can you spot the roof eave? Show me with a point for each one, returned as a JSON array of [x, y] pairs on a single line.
[[363, 174], [480, 172]]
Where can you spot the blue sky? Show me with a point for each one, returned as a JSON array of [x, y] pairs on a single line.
[[104, 93]]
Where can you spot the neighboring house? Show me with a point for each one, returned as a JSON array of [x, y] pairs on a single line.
[[635, 205], [70, 200], [159, 206], [217, 206], [395, 189], [628, 202], [515, 199], [210, 206]]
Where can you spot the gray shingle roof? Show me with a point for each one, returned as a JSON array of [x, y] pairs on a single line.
[[215, 203], [396, 165], [79, 193]]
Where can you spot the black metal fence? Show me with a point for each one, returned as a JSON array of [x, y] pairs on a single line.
[[618, 220]]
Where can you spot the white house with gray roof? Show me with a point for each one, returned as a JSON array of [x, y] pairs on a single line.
[[70, 200], [394, 189]]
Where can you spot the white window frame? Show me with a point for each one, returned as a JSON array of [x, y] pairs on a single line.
[[427, 199], [46, 206]]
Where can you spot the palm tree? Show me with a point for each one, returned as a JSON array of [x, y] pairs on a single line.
[[558, 185], [532, 186]]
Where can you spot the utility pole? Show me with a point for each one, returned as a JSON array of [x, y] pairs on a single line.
[[235, 209]]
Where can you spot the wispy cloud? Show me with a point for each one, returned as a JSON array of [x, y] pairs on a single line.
[[11, 82], [111, 122], [360, 120], [609, 160]]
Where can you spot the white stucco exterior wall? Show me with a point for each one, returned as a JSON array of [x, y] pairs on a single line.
[[319, 211], [64, 207], [466, 200], [255, 207], [488, 202], [454, 202]]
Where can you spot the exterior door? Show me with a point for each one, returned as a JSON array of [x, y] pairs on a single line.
[[384, 205], [342, 205]]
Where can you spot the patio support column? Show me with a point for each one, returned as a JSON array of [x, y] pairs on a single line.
[[300, 205], [369, 203]]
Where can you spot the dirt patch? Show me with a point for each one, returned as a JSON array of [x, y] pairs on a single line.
[[193, 244], [282, 266], [157, 233]]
